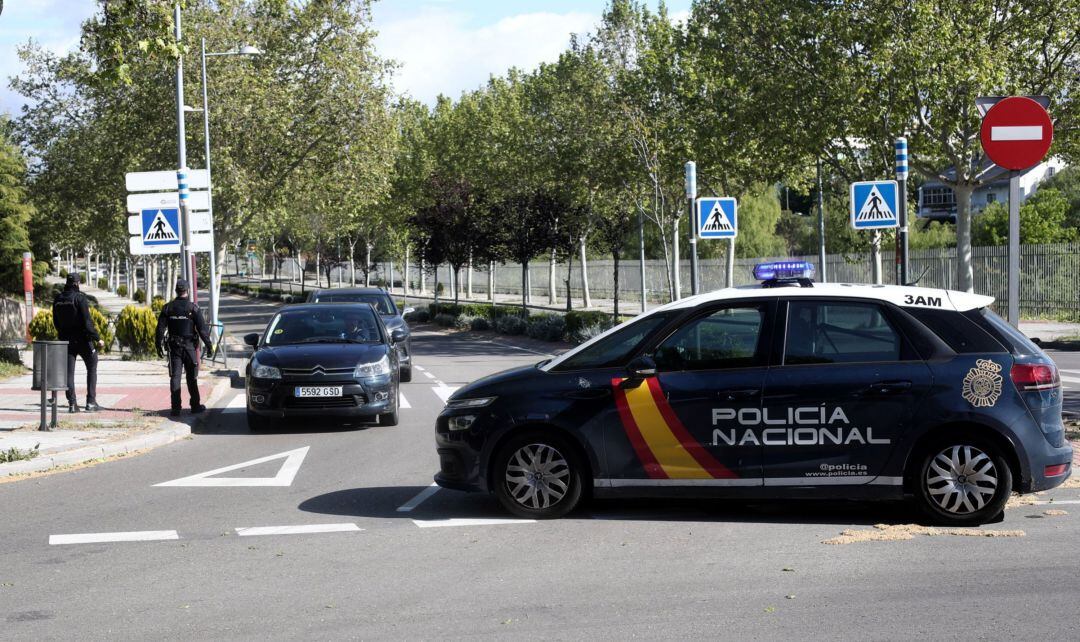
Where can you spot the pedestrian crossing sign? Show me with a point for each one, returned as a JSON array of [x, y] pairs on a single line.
[[874, 205], [161, 226], [717, 218]]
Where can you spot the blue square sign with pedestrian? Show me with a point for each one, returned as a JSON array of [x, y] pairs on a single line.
[[874, 205], [717, 218], [161, 226]]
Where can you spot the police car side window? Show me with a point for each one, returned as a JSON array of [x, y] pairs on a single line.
[[616, 348], [725, 338], [821, 332]]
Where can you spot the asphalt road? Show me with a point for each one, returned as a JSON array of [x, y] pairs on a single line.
[[455, 566]]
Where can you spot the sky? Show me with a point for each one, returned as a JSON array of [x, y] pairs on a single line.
[[443, 46]]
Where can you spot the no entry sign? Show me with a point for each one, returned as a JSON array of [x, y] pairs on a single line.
[[1016, 133]]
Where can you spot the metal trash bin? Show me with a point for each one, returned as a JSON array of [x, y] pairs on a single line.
[[50, 367]]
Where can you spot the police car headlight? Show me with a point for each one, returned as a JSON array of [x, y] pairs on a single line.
[[376, 369], [260, 371], [476, 402], [461, 422]]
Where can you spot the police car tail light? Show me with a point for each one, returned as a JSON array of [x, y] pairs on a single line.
[[784, 270], [1034, 376], [1056, 470]]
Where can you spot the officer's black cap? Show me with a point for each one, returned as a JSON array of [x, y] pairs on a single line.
[[181, 286], [72, 280]]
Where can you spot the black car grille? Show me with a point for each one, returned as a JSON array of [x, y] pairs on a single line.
[[316, 371], [348, 401]]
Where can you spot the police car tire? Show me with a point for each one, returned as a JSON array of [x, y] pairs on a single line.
[[574, 479], [993, 506], [406, 375]]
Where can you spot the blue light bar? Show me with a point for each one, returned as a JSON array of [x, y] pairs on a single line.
[[784, 270]]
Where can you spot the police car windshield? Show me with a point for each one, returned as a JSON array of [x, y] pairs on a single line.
[[352, 325], [380, 302], [616, 348]]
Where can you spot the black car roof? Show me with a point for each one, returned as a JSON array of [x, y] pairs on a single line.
[[323, 306], [350, 291]]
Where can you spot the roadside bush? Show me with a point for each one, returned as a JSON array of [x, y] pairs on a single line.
[[476, 310], [582, 335], [418, 316], [122, 290], [546, 327], [82, 278], [435, 309], [101, 324], [63, 273], [41, 326], [135, 328], [511, 324], [140, 296], [287, 299], [479, 324], [103, 283], [445, 320], [10, 354], [464, 322], [578, 319], [500, 311], [156, 304]]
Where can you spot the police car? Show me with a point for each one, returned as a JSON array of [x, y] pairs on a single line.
[[787, 388]]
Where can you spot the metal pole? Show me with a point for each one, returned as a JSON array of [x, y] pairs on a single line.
[[641, 258], [181, 144], [821, 226], [901, 199], [691, 194], [214, 292], [1014, 249]]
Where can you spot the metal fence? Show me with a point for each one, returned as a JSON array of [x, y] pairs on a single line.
[[1049, 276]]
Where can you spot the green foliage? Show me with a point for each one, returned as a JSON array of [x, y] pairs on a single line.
[[759, 215], [16, 454], [140, 296], [480, 324], [511, 324], [101, 324], [135, 329], [446, 320], [578, 319], [1067, 181], [63, 273], [157, 303], [15, 212], [122, 290], [922, 235], [103, 283], [1042, 220], [41, 326], [546, 327]]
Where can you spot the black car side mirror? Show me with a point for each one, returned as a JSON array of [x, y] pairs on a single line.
[[252, 339], [642, 368], [398, 335]]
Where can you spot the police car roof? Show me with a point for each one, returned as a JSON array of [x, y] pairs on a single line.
[[902, 295]]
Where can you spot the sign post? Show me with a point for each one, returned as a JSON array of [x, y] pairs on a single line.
[[691, 194], [901, 198], [1016, 133], [28, 289]]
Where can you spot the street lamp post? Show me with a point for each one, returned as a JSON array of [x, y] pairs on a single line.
[[215, 291]]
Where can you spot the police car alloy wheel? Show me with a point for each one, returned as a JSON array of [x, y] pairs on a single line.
[[537, 476], [963, 482]]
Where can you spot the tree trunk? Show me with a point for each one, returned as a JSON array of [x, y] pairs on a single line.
[[586, 298], [615, 256], [352, 264], [553, 296], [456, 282], [569, 275], [964, 273], [676, 284], [405, 275], [491, 282], [423, 277], [524, 285], [468, 278], [367, 265]]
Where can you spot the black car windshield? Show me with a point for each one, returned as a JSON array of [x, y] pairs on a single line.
[[380, 302], [344, 324]]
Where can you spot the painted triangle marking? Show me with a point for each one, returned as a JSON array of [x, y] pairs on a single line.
[[284, 476], [444, 391], [875, 207]]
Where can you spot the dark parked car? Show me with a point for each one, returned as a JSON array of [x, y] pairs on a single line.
[[323, 361], [387, 309]]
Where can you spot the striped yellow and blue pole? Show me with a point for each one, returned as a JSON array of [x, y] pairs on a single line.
[[901, 197]]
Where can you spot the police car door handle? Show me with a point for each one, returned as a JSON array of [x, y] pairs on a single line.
[[734, 395], [886, 388]]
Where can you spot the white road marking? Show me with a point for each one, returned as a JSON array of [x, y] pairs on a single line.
[[419, 499], [253, 531], [444, 391], [1070, 379], [98, 538], [1060, 501], [239, 401], [284, 476], [1017, 132], [403, 402], [420, 368], [512, 347], [461, 521], [428, 375], [1076, 372]]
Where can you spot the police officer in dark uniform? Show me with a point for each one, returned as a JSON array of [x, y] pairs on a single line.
[[185, 325], [71, 316]]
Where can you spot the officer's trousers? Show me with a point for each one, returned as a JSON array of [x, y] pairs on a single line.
[[86, 350], [182, 357]]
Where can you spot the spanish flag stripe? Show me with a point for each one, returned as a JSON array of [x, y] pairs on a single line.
[[645, 456], [702, 456], [665, 446]]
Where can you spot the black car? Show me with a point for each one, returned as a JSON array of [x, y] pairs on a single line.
[[387, 309], [333, 361], [811, 390]]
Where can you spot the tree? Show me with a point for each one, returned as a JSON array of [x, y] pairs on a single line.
[[15, 212], [535, 231], [1042, 220]]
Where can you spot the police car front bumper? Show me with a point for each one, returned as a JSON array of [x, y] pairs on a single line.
[[459, 451]]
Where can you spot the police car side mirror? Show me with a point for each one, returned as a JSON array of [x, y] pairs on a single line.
[[408, 311], [398, 335], [252, 339], [641, 368]]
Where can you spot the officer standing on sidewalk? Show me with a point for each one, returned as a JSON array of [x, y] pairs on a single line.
[[183, 321], [71, 316]]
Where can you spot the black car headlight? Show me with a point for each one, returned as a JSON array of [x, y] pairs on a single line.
[[259, 371], [374, 369]]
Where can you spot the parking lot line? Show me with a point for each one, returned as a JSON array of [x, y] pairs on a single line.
[[419, 499], [254, 531], [462, 521], [98, 538]]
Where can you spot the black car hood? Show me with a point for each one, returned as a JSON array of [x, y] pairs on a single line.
[[327, 355], [498, 383]]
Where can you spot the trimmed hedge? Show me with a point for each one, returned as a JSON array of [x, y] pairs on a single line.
[[157, 303], [511, 324], [135, 329], [121, 290], [101, 324], [546, 327], [41, 326], [103, 283], [140, 296], [578, 319]]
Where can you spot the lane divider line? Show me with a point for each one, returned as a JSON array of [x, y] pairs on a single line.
[[418, 499], [403, 402], [444, 391], [461, 521], [1059, 501], [255, 531], [428, 375], [98, 538]]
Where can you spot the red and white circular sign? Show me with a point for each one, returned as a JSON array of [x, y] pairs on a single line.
[[1016, 133]]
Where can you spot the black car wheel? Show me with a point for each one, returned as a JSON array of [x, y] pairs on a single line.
[[406, 374], [963, 481], [537, 476], [258, 424], [388, 419]]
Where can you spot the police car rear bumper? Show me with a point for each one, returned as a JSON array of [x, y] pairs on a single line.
[[1049, 469]]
